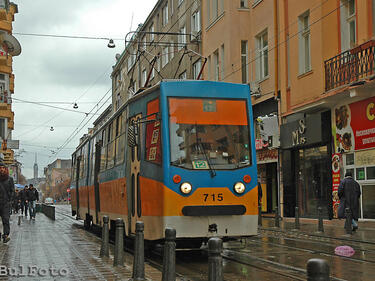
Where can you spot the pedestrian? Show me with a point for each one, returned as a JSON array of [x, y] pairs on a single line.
[[24, 200], [32, 196], [16, 202], [260, 192], [6, 196], [349, 193]]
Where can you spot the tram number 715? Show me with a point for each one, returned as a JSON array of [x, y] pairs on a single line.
[[213, 197]]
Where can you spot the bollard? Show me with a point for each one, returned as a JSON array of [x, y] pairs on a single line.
[[348, 221], [259, 214], [317, 270], [277, 218], [320, 220], [139, 253], [104, 251], [119, 243], [215, 265], [19, 220], [169, 257], [296, 222]]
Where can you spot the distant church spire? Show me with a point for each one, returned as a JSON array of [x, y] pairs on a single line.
[[35, 167]]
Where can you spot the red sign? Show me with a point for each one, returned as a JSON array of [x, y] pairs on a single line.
[[355, 125], [335, 182]]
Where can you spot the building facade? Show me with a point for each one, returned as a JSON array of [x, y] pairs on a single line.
[[57, 177], [165, 46], [9, 47], [327, 107]]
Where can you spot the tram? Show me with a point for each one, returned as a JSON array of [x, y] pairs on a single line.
[[180, 154]]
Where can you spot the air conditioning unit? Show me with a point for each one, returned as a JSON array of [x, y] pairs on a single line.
[[255, 89]]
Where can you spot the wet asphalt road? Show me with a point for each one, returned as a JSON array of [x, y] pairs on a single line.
[[274, 255]]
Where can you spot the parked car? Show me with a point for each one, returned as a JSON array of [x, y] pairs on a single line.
[[48, 201]]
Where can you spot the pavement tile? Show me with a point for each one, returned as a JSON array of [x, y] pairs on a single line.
[[62, 246]]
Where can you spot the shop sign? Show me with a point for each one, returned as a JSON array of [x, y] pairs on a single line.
[[305, 131], [267, 156], [354, 126], [336, 157], [365, 158], [260, 144]]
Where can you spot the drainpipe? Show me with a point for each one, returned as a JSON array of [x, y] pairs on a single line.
[[276, 63]]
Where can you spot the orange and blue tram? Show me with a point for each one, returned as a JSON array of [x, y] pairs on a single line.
[[180, 154]]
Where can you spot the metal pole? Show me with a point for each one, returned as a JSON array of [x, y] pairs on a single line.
[[119, 243], [169, 257], [19, 220], [104, 251], [259, 214], [317, 270], [320, 220], [277, 221], [296, 223], [139, 253], [348, 221], [215, 261]]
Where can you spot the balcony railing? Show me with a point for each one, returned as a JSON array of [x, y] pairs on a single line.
[[350, 66]]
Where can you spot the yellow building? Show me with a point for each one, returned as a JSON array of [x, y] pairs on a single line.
[[327, 103], [9, 47]]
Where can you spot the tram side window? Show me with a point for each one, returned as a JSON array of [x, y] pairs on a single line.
[[110, 147], [153, 134], [81, 164], [103, 154], [120, 140], [73, 176]]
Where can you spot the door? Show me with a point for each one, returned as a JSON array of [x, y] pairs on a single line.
[[135, 165], [98, 148], [77, 183]]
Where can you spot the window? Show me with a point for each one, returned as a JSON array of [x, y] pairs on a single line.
[[348, 24], [144, 77], [3, 128], [215, 8], [144, 43], [244, 58], [208, 12], [152, 35], [216, 65], [209, 68], [153, 134], [182, 76], [164, 56], [172, 6], [196, 22], [304, 43], [118, 101], [4, 89], [158, 63], [131, 60], [180, 2], [244, 4], [182, 38], [165, 14], [197, 68], [152, 72], [262, 55], [171, 51]]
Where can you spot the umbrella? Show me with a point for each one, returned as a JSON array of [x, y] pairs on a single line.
[[17, 185]]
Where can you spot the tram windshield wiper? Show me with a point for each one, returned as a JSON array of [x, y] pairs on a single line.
[[212, 170]]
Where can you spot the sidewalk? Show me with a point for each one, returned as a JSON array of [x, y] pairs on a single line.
[[59, 250], [332, 228]]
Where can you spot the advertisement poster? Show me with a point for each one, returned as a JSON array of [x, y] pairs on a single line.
[[354, 126], [335, 182]]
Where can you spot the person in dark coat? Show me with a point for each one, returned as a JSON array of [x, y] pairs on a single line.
[[6, 197], [32, 196], [349, 192]]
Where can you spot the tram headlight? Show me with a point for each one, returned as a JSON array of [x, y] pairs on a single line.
[[239, 188], [185, 188]]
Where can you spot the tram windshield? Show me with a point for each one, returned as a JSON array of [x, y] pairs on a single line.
[[209, 133]]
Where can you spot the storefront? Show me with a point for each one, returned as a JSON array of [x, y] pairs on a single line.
[[267, 152], [353, 129], [306, 164]]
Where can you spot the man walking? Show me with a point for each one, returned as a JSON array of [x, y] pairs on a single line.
[[6, 196], [32, 196], [349, 192], [24, 200]]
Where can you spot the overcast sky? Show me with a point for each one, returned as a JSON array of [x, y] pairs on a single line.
[[65, 70]]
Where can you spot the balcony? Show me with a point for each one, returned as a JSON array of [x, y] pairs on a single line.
[[350, 67]]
